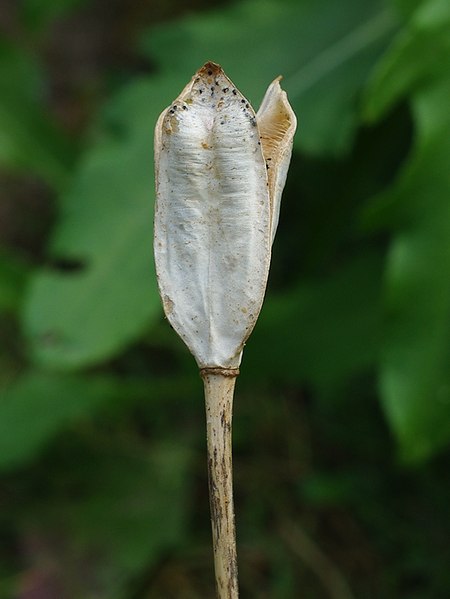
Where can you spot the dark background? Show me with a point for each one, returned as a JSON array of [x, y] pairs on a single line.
[[341, 424]]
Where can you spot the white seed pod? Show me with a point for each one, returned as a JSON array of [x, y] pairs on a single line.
[[217, 209]]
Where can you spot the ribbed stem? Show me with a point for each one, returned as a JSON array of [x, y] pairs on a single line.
[[219, 390]]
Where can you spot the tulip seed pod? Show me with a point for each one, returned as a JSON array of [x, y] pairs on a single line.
[[220, 171]]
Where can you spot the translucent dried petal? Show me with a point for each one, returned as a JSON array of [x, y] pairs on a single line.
[[212, 218]]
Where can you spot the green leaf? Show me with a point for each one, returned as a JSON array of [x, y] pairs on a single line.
[[417, 58], [324, 49], [38, 406], [415, 366], [29, 140], [75, 318], [415, 374]]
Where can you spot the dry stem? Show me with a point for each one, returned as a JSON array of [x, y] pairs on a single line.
[[219, 388]]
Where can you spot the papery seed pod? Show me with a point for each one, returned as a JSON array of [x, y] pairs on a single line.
[[220, 171]]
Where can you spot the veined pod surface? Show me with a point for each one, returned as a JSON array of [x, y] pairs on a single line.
[[217, 210]]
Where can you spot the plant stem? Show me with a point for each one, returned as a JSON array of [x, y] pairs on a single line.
[[219, 388]]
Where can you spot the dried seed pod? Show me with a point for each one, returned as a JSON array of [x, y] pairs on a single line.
[[217, 210]]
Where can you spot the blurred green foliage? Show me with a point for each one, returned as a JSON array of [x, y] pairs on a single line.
[[342, 418]]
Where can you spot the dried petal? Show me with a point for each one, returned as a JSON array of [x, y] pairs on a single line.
[[277, 124], [212, 218]]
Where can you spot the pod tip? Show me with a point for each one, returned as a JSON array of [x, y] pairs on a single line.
[[210, 68]]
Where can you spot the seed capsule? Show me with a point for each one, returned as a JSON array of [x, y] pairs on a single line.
[[217, 208]]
